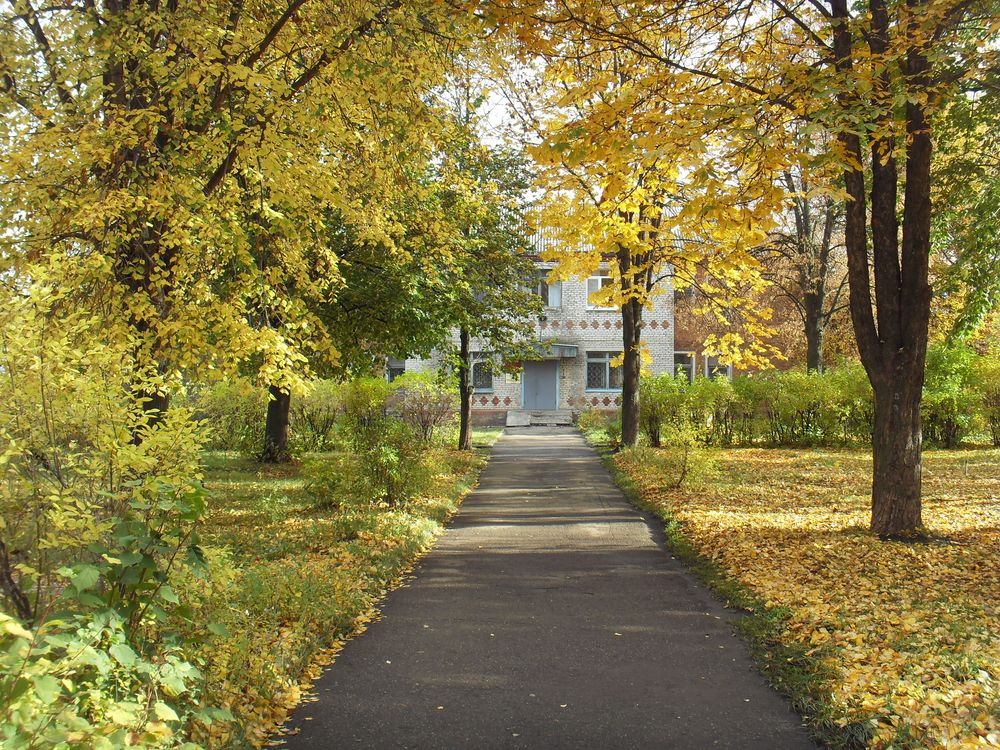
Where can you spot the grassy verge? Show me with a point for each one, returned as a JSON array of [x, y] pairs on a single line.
[[878, 644], [290, 581]]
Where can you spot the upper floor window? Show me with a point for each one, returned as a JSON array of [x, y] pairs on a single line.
[[594, 285], [684, 365], [715, 369], [684, 296], [601, 376], [549, 291]]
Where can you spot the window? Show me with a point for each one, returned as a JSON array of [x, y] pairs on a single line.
[[594, 285], [684, 296], [715, 369], [482, 373], [684, 365], [394, 368], [601, 376], [550, 292]]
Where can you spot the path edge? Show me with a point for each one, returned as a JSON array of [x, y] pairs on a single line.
[[787, 668]]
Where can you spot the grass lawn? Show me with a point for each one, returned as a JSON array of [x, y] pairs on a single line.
[[290, 581], [884, 644]]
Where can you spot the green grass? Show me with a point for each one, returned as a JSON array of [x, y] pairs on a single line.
[[290, 580]]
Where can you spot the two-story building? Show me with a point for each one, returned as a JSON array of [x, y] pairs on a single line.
[[577, 343]]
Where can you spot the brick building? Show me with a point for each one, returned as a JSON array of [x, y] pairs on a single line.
[[576, 342]]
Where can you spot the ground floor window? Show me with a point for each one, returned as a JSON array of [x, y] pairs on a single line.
[[684, 365], [482, 372], [601, 376], [715, 369], [394, 368]]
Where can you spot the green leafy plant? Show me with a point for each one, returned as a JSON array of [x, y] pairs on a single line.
[[425, 401], [314, 417], [986, 379], [949, 400]]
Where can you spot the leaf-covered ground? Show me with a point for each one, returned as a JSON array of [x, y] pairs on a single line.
[[290, 581], [903, 638]]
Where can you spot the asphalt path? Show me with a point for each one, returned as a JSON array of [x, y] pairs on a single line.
[[548, 615]]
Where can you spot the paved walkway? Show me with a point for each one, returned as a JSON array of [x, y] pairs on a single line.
[[547, 616]]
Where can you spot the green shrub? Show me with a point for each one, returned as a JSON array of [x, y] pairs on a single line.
[[711, 407], [662, 400], [79, 682], [313, 418], [425, 401], [385, 461], [855, 406], [234, 412], [986, 382], [949, 400]]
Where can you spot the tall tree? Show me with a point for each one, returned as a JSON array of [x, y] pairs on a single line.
[[484, 193], [804, 260], [126, 125], [623, 208], [871, 75]]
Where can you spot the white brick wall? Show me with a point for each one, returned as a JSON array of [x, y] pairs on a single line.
[[589, 330]]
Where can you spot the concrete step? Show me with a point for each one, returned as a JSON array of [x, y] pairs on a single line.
[[525, 418]]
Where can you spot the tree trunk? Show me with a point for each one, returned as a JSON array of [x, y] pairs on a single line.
[[465, 387], [631, 342], [815, 331], [896, 450], [154, 407], [891, 334], [276, 428]]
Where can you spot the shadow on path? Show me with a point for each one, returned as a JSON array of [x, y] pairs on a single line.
[[547, 616]]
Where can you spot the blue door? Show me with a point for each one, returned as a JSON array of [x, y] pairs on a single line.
[[541, 384]]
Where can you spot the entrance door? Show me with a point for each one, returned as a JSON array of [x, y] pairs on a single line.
[[541, 384]]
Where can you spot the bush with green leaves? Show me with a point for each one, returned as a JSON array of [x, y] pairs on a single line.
[[950, 401], [855, 405], [99, 504], [80, 682], [424, 400], [234, 412], [782, 408], [313, 417], [986, 383], [385, 460], [663, 400]]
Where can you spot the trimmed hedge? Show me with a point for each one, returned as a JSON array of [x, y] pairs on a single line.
[[795, 408]]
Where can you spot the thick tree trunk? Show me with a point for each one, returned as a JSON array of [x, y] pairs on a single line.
[[891, 334], [465, 387], [154, 407], [896, 450], [631, 342], [276, 428], [815, 331]]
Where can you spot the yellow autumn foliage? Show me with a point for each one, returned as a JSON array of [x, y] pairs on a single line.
[[910, 631]]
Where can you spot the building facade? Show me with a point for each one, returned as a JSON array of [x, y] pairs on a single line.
[[577, 342]]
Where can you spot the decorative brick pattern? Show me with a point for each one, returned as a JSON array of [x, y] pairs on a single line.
[[589, 330]]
